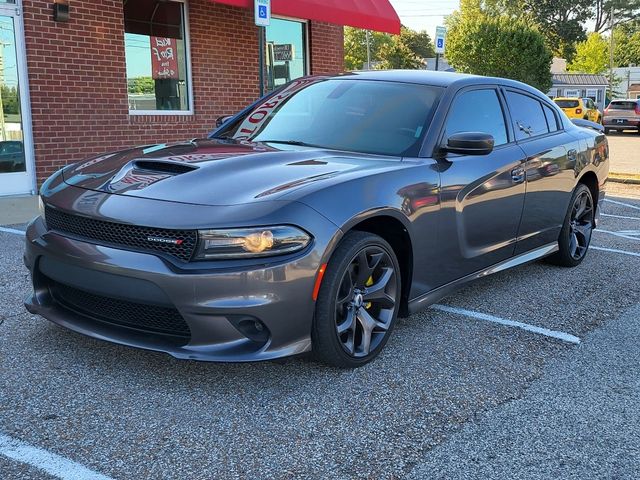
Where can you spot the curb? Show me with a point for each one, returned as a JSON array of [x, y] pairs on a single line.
[[627, 180]]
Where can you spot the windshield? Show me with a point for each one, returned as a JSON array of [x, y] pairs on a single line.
[[567, 103], [377, 117]]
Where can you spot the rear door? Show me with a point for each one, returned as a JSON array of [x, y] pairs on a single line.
[[482, 195], [550, 157]]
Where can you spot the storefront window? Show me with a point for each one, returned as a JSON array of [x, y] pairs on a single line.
[[286, 51], [156, 54]]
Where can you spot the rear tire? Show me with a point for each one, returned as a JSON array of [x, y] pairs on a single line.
[[575, 236], [358, 302]]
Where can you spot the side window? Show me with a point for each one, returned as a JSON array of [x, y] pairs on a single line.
[[552, 122], [528, 117], [477, 111]]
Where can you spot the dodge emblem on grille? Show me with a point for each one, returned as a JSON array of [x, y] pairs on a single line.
[[171, 241]]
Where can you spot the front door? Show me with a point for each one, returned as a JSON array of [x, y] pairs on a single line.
[[16, 152], [481, 195]]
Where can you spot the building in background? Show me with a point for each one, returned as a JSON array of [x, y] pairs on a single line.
[[119, 73], [629, 81], [580, 85]]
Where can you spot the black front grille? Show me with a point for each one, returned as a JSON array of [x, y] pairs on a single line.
[[177, 243], [140, 316]]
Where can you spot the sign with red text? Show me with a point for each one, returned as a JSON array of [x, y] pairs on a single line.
[[164, 58]]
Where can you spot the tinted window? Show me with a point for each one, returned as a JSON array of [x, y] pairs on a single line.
[[377, 117], [528, 117], [477, 111], [567, 103], [552, 122], [622, 105]]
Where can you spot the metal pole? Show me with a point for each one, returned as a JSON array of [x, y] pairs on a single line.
[[261, 58], [437, 59], [611, 54], [368, 35]]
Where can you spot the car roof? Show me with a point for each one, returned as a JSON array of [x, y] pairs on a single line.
[[433, 78]]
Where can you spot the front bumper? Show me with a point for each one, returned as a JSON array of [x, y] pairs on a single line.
[[277, 296]]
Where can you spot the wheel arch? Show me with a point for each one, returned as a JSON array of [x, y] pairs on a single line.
[[396, 233], [590, 179]]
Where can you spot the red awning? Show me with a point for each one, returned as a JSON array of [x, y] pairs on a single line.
[[376, 15]]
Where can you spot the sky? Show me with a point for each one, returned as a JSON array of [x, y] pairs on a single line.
[[424, 14]]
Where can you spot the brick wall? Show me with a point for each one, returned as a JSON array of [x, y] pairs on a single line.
[[77, 77]]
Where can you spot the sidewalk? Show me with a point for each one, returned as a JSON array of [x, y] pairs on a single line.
[[579, 421], [15, 210]]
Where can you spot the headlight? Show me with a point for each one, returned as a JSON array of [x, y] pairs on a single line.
[[250, 242]]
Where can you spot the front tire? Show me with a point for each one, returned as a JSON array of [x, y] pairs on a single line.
[[575, 236], [358, 301]]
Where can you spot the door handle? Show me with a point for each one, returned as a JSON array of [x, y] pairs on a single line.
[[518, 175]]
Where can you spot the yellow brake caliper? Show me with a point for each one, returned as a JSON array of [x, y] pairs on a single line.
[[368, 283]]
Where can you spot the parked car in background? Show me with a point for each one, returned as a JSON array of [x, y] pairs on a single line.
[[622, 115], [315, 217], [12, 156], [583, 108]]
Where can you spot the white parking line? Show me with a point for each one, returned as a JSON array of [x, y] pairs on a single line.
[[614, 250], [47, 462], [12, 230], [565, 337], [617, 234], [622, 203], [619, 216]]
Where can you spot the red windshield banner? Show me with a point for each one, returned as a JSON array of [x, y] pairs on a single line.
[[164, 58]]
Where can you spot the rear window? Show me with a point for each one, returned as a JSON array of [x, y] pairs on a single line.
[[623, 105], [567, 103]]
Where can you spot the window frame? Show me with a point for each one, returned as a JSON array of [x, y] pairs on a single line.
[[187, 47], [503, 105], [305, 41], [560, 124]]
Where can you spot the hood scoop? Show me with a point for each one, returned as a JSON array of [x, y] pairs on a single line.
[[158, 166]]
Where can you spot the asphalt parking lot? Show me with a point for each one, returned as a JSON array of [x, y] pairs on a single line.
[[454, 394], [623, 147]]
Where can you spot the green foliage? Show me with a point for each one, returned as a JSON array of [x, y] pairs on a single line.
[[10, 100], [387, 51], [592, 55], [355, 46], [626, 47], [498, 46], [145, 85], [397, 55], [625, 12]]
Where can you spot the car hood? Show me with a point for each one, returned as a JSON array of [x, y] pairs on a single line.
[[220, 172]]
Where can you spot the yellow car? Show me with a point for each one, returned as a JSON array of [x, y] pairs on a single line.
[[584, 108]]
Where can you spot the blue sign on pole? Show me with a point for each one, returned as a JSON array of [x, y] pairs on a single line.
[[262, 12]]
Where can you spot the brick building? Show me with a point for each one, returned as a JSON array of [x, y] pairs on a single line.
[[118, 73]]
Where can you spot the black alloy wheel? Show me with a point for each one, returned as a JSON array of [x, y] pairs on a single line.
[[358, 301], [575, 235]]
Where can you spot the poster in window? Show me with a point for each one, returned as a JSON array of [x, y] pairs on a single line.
[[164, 58]]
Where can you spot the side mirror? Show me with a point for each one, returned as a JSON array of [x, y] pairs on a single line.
[[470, 143], [222, 120]]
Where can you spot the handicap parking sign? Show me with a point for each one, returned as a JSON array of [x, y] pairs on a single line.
[[440, 43], [262, 12]]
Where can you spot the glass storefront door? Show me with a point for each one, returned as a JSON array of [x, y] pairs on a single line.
[[16, 167]]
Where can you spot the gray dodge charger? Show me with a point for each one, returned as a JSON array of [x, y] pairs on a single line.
[[315, 217]]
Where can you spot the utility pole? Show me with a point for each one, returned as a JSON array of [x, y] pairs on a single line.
[[611, 54], [368, 34]]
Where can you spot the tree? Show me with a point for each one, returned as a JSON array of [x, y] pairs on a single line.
[[355, 46], [498, 46], [626, 47], [560, 21], [625, 11], [397, 54], [592, 55], [419, 43], [145, 85], [387, 51]]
